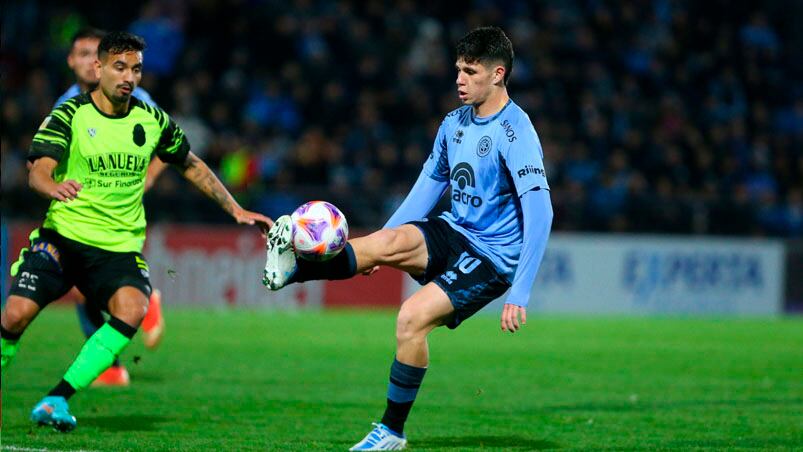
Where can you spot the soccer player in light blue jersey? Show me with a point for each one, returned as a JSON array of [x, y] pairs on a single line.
[[488, 157], [81, 60]]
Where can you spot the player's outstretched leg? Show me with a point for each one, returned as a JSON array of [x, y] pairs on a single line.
[[280, 264], [127, 308], [403, 248]]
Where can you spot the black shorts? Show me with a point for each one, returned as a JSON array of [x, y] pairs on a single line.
[[53, 264], [469, 279]]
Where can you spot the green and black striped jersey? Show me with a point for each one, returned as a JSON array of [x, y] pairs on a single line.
[[109, 156]]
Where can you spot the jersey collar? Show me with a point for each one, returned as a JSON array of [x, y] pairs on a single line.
[[482, 121], [131, 104]]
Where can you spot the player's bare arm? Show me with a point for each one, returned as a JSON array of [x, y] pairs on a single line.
[[196, 171], [40, 179]]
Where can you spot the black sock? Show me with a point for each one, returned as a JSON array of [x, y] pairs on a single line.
[[122, 327], [342, 266], [402, 390], [62, 389], [9, 335]]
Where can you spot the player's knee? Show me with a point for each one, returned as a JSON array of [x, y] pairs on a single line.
[[16, 317], [130, 310], [408, 326]]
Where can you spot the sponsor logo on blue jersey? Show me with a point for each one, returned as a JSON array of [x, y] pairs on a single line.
[[463, 174], [530, 169], [509, 132]]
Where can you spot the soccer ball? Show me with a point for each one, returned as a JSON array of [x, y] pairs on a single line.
[[320, 231]]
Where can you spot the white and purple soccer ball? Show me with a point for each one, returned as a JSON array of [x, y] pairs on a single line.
[[320, 231]]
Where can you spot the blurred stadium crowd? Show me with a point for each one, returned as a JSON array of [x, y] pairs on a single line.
[[655, 116]]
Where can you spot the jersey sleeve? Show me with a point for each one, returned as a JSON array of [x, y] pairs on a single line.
[[54, 135], [423, 197], [437, 165], [173, 145], [537, 217], [525, 161]]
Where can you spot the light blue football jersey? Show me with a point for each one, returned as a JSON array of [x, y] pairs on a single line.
[[489, 163], [75, 90]]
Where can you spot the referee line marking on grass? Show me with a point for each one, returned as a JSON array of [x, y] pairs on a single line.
[[31, 449]]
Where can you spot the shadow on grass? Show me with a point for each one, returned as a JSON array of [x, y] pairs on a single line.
[[147, 377], [485, 441], [122, 422]]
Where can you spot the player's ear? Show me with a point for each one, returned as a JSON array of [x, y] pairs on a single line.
[[499, 75], [97, 68]]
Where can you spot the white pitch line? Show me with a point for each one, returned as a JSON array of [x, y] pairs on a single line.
[[31, 449]]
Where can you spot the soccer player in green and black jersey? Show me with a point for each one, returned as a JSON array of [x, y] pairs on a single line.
[[90, 156]]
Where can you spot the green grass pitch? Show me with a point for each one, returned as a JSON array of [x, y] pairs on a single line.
[[252, 380]]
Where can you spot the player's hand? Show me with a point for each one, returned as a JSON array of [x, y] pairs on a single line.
[[65, 191], [247, 217], [371, 271], [510, 317]]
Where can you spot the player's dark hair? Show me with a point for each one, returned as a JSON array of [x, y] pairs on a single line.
[[88, 32], [120, 42], [487, 45]]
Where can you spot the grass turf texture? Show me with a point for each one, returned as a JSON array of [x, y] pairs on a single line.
[[252, 380]]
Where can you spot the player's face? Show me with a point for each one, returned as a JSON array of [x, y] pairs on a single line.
[[82, 59], [119, 74], [475, 81]]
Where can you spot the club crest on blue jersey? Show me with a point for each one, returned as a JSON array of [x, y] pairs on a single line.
[[484, 146]]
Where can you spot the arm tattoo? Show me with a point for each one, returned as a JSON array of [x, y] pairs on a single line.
[[196, 171]]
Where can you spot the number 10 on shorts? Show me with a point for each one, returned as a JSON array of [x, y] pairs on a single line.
[[466, 264]]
